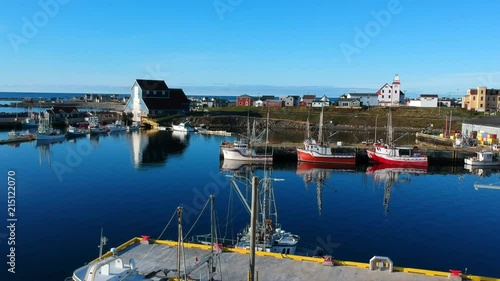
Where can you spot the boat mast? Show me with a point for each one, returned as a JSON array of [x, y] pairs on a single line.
[[389, 127], [179, 241], [102, 242], [320, 133]]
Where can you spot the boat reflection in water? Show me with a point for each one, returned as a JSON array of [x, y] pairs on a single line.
[[481, 171], [182, 136], [241, 166], [319, 173], [44, 149], [390, 174]]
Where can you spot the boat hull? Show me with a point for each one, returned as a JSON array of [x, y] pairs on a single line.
[[180, 128], [475, 163], [50, 137], [237, 154], [397, 160], [314, 157]]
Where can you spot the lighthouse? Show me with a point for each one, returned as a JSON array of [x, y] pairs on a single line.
[[396, 89]]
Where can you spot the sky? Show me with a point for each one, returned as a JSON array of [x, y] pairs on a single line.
[[255, 47]]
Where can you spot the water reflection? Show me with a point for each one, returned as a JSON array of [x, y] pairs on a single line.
[[44, 149], [318, 174], [152, 148], [391, 174], [481, 171]]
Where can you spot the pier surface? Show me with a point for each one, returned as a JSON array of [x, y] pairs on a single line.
[[159, 260]]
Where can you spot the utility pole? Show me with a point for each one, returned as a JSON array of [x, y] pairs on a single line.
[[253, 225]]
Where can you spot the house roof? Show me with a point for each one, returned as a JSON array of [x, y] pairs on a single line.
[[473, 91], [176, 100], [152, 85], [309, 97], [244, 96], [362, 94], [428, 96]]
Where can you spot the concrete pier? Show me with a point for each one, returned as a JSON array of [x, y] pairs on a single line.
[[158, 260]]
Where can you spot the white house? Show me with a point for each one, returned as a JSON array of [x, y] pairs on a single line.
[[429, 100], [391, 95], [323, 102], [366, 99]]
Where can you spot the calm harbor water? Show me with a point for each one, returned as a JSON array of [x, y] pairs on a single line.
[[131, 183]]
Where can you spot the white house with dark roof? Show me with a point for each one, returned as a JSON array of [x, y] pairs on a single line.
[[154, 97], [324, 101], [391, 95]]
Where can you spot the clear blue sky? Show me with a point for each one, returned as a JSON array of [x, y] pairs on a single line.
[[250, 46]]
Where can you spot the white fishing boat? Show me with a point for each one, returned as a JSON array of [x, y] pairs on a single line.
[[74, 132], [30, 121], [95, 127], [116, 127], [45, 130], [183, 127], [482, 158], [269, 235], [242, 149]]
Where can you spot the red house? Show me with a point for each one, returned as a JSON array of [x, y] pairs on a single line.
[[244, 100]]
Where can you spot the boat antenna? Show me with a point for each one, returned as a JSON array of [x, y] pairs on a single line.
[[102, 242], [320, 133]]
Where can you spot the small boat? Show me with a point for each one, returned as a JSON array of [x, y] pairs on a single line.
[[30, 121], [270, 237], [116, 127], [482, 158], [134, 127], [183, 127], [320, 151], [94, 127], [395, 155], [241, 150], [74, 132], [45, 130]]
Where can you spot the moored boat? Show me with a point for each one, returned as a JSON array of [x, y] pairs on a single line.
[[482, 158], [183, 127], [45, 130], [240, 150], [389, 153], [320, 151], [74, 132]]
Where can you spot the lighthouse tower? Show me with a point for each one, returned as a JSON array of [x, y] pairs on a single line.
[[396, 89]]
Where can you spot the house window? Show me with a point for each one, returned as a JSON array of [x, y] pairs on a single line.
[[481, 105], [389, 96], [389, 91], [481, 98], [383, 91]]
